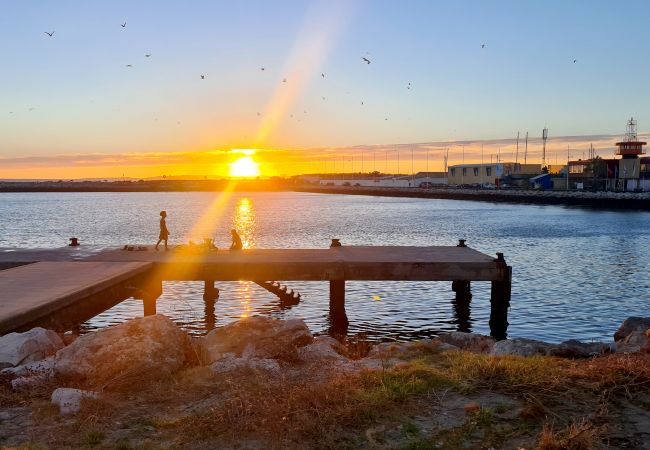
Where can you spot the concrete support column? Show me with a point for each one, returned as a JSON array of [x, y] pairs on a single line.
[[461, 304], [500, 302], [148, 291], [338, 316], [210, 292], [149, 305]]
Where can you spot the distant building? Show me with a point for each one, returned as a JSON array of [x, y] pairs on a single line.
[[492, 173], [420, 179], [629, 171]]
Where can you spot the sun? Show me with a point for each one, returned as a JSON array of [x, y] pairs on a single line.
[[244, 167]]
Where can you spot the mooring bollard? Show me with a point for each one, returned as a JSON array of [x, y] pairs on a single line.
[[74, 242], [461, 243], [335, 243]]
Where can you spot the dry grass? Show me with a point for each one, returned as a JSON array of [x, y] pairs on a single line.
[[576, 436], [563, 404]]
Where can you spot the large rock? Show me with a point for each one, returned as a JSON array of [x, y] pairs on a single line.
[[322, 351], [69, 400], [257, 337], [477, 343], [523, 347], [147, 345], [230, 363], [33, 345], [577, 349], [634, 342], [630, 325]]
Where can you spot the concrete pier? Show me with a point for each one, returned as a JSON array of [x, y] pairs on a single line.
[[143, 272]]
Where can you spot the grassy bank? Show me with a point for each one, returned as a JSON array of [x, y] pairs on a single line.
[[430, 399]]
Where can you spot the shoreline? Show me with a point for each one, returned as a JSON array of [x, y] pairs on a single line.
[[599, 200], [273, 384]]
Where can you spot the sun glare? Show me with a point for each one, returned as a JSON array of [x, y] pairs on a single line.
[[244, 167]]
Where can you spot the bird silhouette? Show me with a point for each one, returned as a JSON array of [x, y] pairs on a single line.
[[49, 34], [262, 69], [129, 65], [483, 45], [574, 61], [203, 77], [284, 80], [123, 25], [361, 103], [147, 55], [322, 75], [323, 98], [259, 114], [366, 60]]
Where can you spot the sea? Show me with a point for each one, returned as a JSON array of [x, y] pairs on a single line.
[[577, 272]]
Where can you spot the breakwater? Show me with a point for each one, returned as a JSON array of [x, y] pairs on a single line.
[[604, 200]]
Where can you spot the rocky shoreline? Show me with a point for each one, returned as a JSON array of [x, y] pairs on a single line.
[[601, 200], [70, 375]]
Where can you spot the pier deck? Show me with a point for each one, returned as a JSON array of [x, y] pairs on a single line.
[[459, 264], [44, 292]]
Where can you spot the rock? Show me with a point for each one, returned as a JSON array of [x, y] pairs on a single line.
[[630, 325], [577, 349], [322, 350], [523, 347], [33, 345], [147, 345], [69, 400], [30, 374], [477, 343], [634, 342], [69, 337], [257, 337], [230, 362], [37, 367]]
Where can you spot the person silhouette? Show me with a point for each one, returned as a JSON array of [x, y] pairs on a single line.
[[236, 240], [164, 232]]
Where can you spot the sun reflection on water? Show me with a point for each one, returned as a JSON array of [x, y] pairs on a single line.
[[244, 221]]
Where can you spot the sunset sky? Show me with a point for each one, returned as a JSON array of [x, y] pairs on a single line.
[[70, 107]]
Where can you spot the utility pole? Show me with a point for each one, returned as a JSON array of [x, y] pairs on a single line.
[[482, 168], [526, 149], [567, 167], [544, 138], [517, 152]]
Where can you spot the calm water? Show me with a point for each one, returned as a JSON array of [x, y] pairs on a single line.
[[577, 273]]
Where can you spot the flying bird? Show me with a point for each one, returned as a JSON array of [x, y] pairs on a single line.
[[284, 80], [259, 114], [203, 77], [49, 34], [322, 75], [129, 65], [147, 55], [262, 69], [483, 45], [574, 61], [323, 98], [366, 60], [361, 103], [123, 25]]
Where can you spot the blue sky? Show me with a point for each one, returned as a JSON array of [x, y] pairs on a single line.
[[84, 99]]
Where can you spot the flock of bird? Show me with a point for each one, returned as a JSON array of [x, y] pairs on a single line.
[[364, 59]]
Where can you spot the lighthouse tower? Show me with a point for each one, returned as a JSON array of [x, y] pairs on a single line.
[[629, 165]]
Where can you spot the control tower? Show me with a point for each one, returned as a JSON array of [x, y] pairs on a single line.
[[629, 165]]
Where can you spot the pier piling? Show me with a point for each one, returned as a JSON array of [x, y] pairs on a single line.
[[338, 315], [500, 301]]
